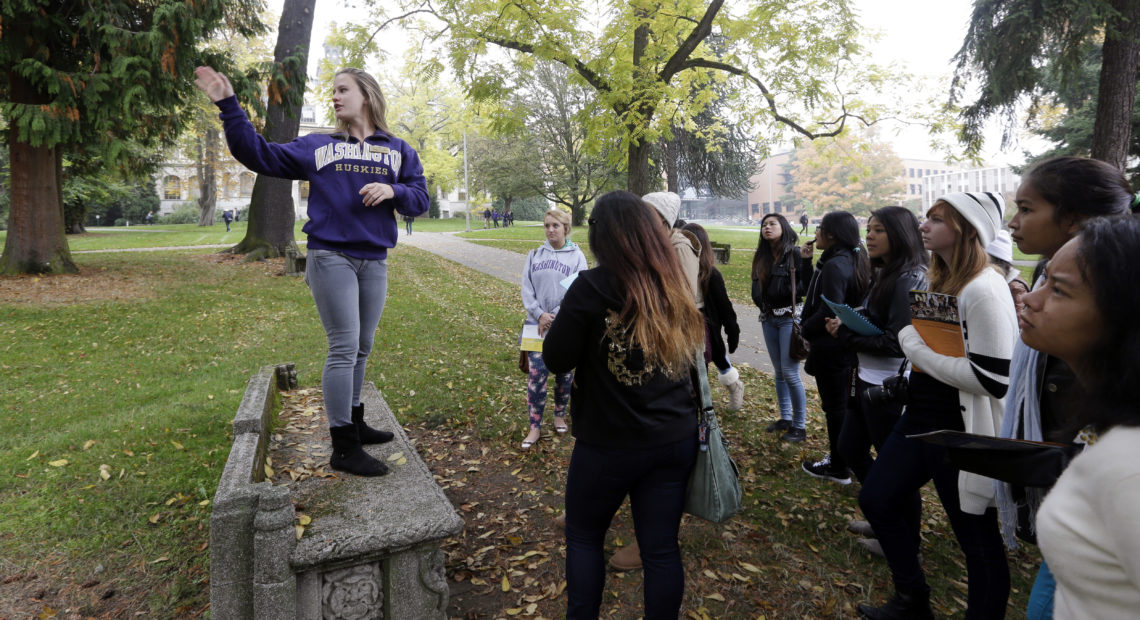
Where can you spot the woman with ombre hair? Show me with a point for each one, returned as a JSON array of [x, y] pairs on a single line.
[[630, 331]]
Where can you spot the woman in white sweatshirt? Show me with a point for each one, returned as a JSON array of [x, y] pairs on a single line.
[[542, 293], [1084, 314], [954, 393]]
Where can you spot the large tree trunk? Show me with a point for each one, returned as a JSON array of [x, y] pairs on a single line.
[[271, 212], [36, 242], [208, 177], [1117, 92], [638, 180]]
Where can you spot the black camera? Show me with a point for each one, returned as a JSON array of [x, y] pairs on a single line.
[[894, 390]]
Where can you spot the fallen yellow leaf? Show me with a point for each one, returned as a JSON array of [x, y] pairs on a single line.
[[506, 584], [402, 461], [514, 611], [204, 502], [59, 463], [161, 558], [715, 596], [87, 444], [155, 517], [304, 519], [749, 567], [397, 456], [105, 471], [34, 455], [300, 531], [268, 471], [176, 445]]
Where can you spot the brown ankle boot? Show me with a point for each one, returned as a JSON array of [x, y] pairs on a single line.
[[627, 558]]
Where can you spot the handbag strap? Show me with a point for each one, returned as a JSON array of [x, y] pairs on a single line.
[[706, 417], [792, 264]]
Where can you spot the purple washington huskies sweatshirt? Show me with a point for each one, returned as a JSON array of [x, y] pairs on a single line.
[[337, 167]]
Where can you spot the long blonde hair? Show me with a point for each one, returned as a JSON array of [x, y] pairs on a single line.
[[966, 262], [373, 97]]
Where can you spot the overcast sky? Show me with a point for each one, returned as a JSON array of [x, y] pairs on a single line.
[[922, 36]]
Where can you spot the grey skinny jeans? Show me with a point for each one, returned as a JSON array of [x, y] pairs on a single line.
[[350, 294]]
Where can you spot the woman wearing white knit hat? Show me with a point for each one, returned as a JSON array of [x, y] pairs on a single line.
[[955, 393]]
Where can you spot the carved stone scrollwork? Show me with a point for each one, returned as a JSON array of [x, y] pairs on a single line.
[[434, 577], [353, 593]]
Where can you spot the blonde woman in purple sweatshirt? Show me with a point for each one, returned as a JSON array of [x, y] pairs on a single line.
[[542, 292], [360, 176]]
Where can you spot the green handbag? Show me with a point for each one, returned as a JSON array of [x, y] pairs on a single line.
[[714, 492]]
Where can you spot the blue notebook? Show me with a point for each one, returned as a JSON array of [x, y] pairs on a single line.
[[852, 319]]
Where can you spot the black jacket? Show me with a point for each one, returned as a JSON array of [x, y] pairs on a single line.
[[777, 291], [720, 315], [834, 278], [890, 318], [643, 407]]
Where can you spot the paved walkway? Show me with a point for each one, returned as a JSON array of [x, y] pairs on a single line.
[[508, 266]]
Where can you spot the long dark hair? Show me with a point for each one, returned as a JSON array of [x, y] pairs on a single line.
[[707, 261], [1079, 187], [763, 260], [844, 230], [659, 315], [1109, 259], [907, 252]]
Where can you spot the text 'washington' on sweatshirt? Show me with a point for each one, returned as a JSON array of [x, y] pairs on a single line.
[[337, 167]]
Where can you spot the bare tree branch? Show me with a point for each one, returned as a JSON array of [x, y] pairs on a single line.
[[720, 66]]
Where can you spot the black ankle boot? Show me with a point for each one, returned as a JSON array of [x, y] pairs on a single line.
[[368, 435], [348, 456], [902, 606]]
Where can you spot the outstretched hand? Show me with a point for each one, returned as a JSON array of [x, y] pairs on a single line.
[[216, 85]]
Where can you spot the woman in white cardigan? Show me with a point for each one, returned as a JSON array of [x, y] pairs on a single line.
[[954, 393]]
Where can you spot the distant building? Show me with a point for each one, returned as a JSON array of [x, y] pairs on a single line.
[[177, 181], [997, 180], [915, 171], [769, 188], [770, 184]]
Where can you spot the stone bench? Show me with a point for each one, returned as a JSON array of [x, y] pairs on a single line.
[[721, 252], [372, 549]]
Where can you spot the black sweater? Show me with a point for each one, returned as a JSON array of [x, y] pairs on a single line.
[[642, 408], [776, 292], [834, 278], [719, 314], [891, 318]]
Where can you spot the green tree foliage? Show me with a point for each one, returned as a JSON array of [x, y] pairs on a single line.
[[429, 114], [649, 64], [92, 76], [1066, 112], [847, 173], [556, 110], [1012, 46], [504, 167]]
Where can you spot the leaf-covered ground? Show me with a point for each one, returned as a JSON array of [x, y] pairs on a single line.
[[787, 556]]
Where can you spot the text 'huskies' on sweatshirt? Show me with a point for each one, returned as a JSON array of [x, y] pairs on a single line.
[[337, 167]]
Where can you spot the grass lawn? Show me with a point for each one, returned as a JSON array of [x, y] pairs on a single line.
[[120, 385]]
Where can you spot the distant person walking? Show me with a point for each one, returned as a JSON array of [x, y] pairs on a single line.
[[360, 176], [486, 218], [408, 219], [803, 223], [227, 217]]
